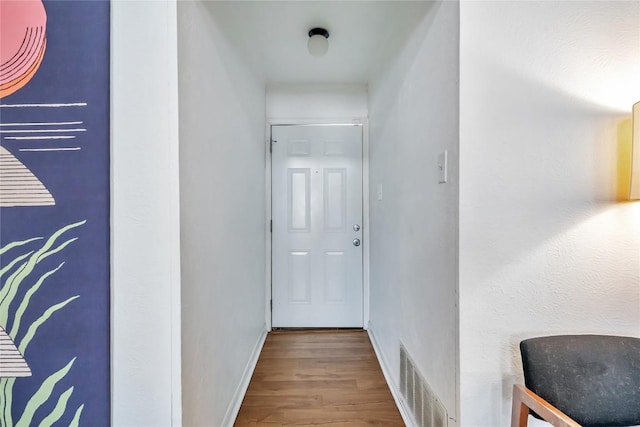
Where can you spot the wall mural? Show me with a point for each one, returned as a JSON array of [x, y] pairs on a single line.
[[54, 213]]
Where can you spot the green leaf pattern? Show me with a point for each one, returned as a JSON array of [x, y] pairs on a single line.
[[12, 310]]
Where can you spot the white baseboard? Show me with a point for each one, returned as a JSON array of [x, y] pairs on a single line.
[[241, 390], [406, 416]]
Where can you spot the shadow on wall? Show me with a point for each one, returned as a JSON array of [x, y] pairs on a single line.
[[562, 229], [559, 172], [620, 223], [221, 47], [401, 60]]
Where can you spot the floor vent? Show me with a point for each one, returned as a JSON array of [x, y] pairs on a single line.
[[419, 398]]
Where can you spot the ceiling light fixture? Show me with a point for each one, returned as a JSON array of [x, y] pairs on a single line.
[[318, 43]]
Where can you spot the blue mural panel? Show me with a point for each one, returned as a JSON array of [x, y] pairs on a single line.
[[54, 213]]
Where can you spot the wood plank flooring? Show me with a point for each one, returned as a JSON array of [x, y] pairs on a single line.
[[329, 378]]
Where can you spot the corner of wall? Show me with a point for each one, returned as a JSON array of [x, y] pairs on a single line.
[[388, 376], [238, 396]]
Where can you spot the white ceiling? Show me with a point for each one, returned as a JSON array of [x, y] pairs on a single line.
[[272, 36]]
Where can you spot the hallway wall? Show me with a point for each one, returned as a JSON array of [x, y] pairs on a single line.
[[544, 248], [320, 102], [413, 107], [222, 182]]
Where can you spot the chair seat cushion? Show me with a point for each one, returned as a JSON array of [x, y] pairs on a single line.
[[594, 379]]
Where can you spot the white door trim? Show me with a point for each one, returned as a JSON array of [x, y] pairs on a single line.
[[365, 205]]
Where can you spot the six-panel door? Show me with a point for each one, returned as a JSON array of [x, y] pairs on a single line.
[[317, 226]]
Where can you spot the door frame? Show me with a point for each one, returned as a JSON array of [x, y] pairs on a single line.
[[362, 121]]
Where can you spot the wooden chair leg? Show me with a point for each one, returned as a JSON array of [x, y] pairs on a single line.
[[519, 411], [524, 399]]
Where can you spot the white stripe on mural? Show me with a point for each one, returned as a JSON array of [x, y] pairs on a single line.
[[41, 130], [42, 124], [72, 104], [22, 138], [51, 149]]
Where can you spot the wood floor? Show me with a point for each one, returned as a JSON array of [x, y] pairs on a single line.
[[329, 378]]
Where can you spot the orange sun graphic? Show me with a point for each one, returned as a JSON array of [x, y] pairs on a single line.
[[23, 25]]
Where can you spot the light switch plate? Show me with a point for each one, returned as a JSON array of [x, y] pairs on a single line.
[[442, 167]]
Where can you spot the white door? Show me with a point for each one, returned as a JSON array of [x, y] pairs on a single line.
[[317, 226]]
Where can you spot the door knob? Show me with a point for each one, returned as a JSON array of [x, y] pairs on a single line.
[[356, 227], [356, 242]]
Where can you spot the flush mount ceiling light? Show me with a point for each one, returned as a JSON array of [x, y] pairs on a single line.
[[318, 43]]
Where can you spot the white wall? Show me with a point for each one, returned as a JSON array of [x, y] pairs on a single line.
[[413, 108], [222, 172], [145, 215], [543, 248], [313, 102]]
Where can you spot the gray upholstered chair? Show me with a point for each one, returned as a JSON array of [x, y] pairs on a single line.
[[579, 380]]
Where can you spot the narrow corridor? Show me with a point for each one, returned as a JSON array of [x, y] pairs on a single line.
[[318, 378]]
